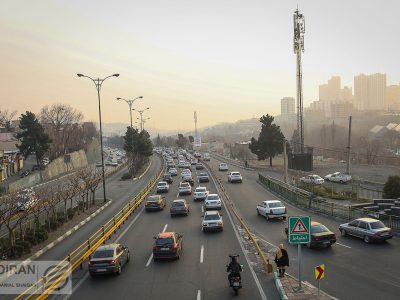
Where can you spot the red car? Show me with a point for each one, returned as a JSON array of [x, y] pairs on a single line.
[[167, 245]]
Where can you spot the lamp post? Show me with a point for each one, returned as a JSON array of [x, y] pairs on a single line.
[[130, 102], [141, 116], [144, 121], [98, 83]]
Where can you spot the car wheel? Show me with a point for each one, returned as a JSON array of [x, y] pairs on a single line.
[[267, 217], [92, 274], [343, 232], [119, 269], [367, 239], [258, 212], [128, 257], [341, 181]]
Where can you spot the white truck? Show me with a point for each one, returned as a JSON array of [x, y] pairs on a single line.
[[338, 177]]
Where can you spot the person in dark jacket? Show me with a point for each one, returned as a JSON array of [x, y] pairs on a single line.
[[281, 260], [234, 268]]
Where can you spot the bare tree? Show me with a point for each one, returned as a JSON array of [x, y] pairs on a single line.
[[6, 118], [58, 119]]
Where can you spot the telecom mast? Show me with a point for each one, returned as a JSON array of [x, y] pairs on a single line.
[[195, 124], [298, 48]]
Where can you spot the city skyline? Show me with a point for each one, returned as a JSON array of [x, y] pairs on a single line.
[[226, 64]]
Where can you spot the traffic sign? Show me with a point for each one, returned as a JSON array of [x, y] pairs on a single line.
[[299, 230], [319, 272]]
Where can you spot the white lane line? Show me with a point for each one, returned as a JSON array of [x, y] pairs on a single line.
[[202, 254], [151, 256], [343, 245], [149, 261], [202, 209], [76, 287], [177, 195], [198, 295]]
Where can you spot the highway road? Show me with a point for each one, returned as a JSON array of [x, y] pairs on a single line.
[[199, 273], [354, 270]]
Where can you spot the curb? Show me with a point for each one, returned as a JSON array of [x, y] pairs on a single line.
[[279, 287]]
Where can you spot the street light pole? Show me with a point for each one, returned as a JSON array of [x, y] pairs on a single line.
[[141, 116], [144, 120], [98, 82], [130, 102]]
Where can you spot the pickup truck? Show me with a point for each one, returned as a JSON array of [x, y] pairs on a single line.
[[338, 177]]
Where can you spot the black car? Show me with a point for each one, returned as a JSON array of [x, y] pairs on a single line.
[[321, 236], [203, 177], [168, 178]]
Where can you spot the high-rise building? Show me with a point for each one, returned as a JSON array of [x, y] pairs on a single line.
[[369, 91], [332, 93], [288, 111], [393, 97]]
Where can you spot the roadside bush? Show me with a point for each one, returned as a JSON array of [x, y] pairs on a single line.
[[42, 235], [71, 213], [126, 176], [391, 190], [26, 246], [16, 251], [60, 217]]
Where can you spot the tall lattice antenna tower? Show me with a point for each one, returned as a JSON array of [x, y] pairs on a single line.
[[298, 48], [195, 124]]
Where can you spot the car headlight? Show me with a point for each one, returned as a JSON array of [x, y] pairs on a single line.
[[220, 223], [204, 224]]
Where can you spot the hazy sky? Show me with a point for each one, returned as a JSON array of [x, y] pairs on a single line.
[[226, 59]]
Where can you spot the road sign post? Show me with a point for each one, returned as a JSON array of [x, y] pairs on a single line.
[[319, 274], [299, 233]]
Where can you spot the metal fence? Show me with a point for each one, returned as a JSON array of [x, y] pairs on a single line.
[[305, 199]]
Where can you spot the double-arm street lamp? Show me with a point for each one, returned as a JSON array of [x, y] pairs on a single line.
[[141, 116], [98, 82], [130, 102]]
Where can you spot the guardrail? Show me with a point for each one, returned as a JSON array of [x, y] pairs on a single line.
[[305, 199], [46, 285], [243, 224]]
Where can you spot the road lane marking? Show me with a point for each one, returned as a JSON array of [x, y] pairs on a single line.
[[202, 209], [165, 227], [202, 254], [119, 237], [343, 245], [149, 261], [198, 295]]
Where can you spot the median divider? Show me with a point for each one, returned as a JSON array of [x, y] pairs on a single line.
[[47, 284], [230, 205]]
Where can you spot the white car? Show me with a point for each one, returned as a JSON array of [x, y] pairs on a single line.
[[193, 161], [206, 156], [271, 209], [213, 201], [200, 193], [185, 188], [162, 187], [313, 179], [186, 173], [173, 171], [234, 177], [338, 177], [212, 221], [223, 167], [181, 164]]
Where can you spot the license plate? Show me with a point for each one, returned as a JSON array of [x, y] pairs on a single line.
[[101, 270], [164, 249], [236, 284], [327, 243]]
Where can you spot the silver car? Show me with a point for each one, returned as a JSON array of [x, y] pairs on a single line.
[[368, 229], [213, 201], [212, 221]]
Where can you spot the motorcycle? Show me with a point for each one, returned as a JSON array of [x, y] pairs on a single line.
[[236, 284]]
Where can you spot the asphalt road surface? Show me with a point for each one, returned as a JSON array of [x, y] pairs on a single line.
[[199, 273], [353, 269]]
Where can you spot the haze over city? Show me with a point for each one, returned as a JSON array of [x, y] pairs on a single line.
[[228, 60]]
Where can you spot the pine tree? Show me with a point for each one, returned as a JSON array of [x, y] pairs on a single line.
[[270, 140], [32, 136]]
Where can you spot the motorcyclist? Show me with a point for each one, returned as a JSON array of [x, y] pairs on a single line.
[[234, 268]]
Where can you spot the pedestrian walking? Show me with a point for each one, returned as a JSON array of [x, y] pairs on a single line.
[[281, 260], [246, 164], [293, 180]]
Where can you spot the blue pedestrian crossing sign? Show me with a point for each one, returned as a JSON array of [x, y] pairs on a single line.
[[299, 230]]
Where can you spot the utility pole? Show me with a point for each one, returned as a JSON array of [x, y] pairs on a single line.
[[348, 148], [298, 48], [285, 161]]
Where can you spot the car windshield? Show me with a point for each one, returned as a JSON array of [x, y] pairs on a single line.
[[103, 253], [184, 184], [162, 184], [165, 241], [211, 217], [203, 174], [153, 199], [377, 225], [213, 197], [275, 204], [236, 173], [201, 190], [318, 229], [178, 203]]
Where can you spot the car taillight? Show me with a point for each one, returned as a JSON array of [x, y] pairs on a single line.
[[155, 248], [316, 238]]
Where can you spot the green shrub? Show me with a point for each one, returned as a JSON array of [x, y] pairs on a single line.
[[26, 246], [126, 176], [391, 190], [71, 213]]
